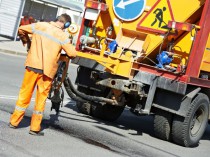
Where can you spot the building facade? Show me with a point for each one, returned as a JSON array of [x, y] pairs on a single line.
[[12, 11]]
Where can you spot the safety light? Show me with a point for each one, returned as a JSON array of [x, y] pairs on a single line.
[[180, 26], [96, 5]]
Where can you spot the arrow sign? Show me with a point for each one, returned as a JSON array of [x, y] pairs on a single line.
[[128, 10], [122, 4]]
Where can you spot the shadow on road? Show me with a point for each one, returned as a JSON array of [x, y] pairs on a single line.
[[127, 121], [46, 123], [25, 122], [206, 135]]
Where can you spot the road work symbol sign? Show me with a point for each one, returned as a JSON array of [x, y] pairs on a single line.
[[157, 18], [128, 10]]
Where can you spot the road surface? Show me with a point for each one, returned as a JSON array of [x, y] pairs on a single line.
[[77, 135]]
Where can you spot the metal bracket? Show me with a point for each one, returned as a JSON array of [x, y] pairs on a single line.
[[150, 96]]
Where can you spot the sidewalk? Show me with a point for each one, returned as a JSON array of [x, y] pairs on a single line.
[[12, 47]]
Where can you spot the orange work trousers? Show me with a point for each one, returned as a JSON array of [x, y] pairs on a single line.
[[30, 80]]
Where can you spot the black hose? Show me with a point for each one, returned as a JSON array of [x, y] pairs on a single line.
[[71, 94], [67, 82]]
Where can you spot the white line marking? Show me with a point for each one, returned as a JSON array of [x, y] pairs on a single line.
[[122, 4], [33, 99], [12, 97]]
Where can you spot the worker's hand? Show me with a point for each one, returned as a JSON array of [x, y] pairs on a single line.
[[27, 45]]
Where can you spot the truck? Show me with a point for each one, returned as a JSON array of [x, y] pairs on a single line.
[[151, 56]]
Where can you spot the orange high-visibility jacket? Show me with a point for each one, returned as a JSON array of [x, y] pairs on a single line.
[[48, 39]]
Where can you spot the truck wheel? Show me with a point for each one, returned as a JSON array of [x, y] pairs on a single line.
[[187, 131], [106, 112], [84, 108], [162, 125]]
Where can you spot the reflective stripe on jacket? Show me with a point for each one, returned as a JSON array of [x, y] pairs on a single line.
[[48, 39]]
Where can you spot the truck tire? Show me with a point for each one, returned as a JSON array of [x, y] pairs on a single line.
[[84, 108], [187, 131], [106, 112], [162, 125]]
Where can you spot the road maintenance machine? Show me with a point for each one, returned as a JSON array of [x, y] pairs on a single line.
[[152, 56]]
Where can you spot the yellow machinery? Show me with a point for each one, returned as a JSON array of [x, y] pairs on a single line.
[[139, 35], [151, 55]]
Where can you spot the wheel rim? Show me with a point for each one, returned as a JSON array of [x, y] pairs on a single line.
[[197, 121]]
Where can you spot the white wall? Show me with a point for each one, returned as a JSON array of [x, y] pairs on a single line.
[[76, 18]]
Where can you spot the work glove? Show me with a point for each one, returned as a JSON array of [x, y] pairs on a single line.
[[27, 45]]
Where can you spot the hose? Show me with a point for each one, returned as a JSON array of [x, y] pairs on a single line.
[[70, 89], [71, 94]]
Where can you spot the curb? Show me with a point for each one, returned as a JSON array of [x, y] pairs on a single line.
[[13, 52]]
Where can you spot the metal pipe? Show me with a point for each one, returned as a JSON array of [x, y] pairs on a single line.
[[95, 49], [87, 40], [88, 97], [19, 19], [91, 48], [110, 39]]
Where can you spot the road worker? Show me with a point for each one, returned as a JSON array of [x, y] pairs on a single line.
[[24, 21], [48, 39]]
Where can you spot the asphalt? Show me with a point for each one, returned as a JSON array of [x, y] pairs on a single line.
[[12, 47]]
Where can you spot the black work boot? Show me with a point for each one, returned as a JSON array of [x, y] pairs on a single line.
[[36, 133]]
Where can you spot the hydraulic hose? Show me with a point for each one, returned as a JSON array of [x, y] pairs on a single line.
[[71, 94], [68, 85]]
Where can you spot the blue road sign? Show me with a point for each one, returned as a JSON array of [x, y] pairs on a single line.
[[128, 10]]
